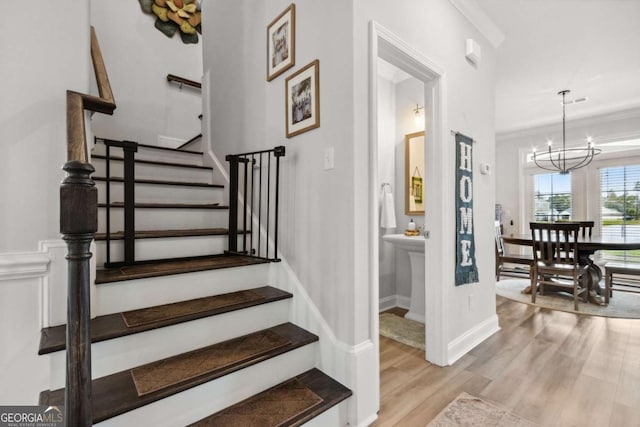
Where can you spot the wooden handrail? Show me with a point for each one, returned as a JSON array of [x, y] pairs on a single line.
[[77, 103], [78, 225], [183, 81]]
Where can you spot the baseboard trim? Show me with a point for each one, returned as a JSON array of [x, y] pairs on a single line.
[[474, 336], [392, 301]]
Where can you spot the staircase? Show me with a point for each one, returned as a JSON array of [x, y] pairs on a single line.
[[188, 334]]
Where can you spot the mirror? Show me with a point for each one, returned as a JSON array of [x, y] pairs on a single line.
[[414, 173]]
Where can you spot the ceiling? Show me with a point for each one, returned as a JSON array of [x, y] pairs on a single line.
[[591, 47]]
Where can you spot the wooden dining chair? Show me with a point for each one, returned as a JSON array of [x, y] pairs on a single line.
[[555, 258], [502, 257], [586, 227]]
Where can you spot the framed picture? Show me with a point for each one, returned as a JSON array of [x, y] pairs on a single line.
[[302, 95], [281, 43]]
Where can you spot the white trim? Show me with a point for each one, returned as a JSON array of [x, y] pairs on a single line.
[[392, 301], [479, 19], [391, 48], [471, 338], [368, 421], [23, 265], [548, 126]]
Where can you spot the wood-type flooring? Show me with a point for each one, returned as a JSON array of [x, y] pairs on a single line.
[[550, 367]]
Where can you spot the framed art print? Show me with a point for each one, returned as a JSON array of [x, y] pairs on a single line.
[[281, 42], [302, 99]]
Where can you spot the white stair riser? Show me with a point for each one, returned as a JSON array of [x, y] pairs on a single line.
[[153, 193], [133, 294], [108, 357], [165, 248], [144, 153], [198, 402], [158, 172], [166, 219]]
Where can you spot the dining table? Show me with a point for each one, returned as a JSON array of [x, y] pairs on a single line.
[[587, 246]]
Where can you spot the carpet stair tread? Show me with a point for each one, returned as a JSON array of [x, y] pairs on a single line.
[[135, 321], [160, 182], [127, 390], [154, 162], [151, 234], [290, 403], [174, 266]]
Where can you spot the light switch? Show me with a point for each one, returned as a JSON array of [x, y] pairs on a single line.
[[328, 158]]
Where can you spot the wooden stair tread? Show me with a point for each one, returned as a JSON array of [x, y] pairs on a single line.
[[155, 234], [160, 182], [117, 393], [114, 325], [174, 266], [290, 403], [154, 162], [167, 205]]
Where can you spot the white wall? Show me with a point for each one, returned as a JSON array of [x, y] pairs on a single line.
[[513, 146], [438, 31], [50, 55], [37, 68], [247, 113], [387, 174], [138, 58]]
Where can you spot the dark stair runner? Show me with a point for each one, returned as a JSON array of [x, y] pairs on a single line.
[[290, 403], [115, 325], [117, 393]]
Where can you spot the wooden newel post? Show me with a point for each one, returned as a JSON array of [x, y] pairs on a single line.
[[78, 225]]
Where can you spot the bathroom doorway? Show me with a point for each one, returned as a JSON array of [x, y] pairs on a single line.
[[419, 80]]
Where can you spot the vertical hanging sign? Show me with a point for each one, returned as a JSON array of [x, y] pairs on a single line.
[[466, 269]]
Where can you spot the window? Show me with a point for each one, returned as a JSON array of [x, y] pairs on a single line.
[[620, 206], [551, 197]]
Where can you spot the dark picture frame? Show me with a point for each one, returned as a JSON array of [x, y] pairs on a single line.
[[281, 43], [302, 99]]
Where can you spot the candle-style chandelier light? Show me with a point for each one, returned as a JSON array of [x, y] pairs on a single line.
[[565, 160]]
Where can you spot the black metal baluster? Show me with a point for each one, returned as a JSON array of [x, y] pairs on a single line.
[[251, 248], [259, 201], [129, 149], [268, 200], [244, 215], [278, 152], [108, 195]]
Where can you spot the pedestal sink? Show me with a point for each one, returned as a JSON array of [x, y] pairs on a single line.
[[414, 247]]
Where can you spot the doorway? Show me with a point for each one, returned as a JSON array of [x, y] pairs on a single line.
[[387, 46]]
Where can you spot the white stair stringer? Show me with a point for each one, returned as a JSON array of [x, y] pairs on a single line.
[[161, 193], [198, 402], [119, 354], [166, 219], [148, 153], [128, 295]]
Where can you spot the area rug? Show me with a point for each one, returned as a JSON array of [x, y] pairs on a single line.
[[468, 410], [623, 304], [403, 330]]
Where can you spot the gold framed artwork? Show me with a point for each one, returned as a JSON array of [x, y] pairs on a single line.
[[302, 100], [414, 173], [281, 43]]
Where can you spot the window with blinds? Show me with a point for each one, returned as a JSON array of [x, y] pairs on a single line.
[[620, 207], [551, 197]]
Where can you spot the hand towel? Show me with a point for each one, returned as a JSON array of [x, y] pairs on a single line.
[[388, 211]]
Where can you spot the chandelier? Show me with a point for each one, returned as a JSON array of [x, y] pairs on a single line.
[[565, 160]]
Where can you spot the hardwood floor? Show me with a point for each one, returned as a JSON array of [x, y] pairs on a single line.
[[551, 367]]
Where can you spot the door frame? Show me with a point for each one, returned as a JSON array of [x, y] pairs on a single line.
[[388, 46]]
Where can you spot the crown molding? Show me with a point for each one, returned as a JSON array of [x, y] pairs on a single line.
[[479, 19], [547, 127]]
